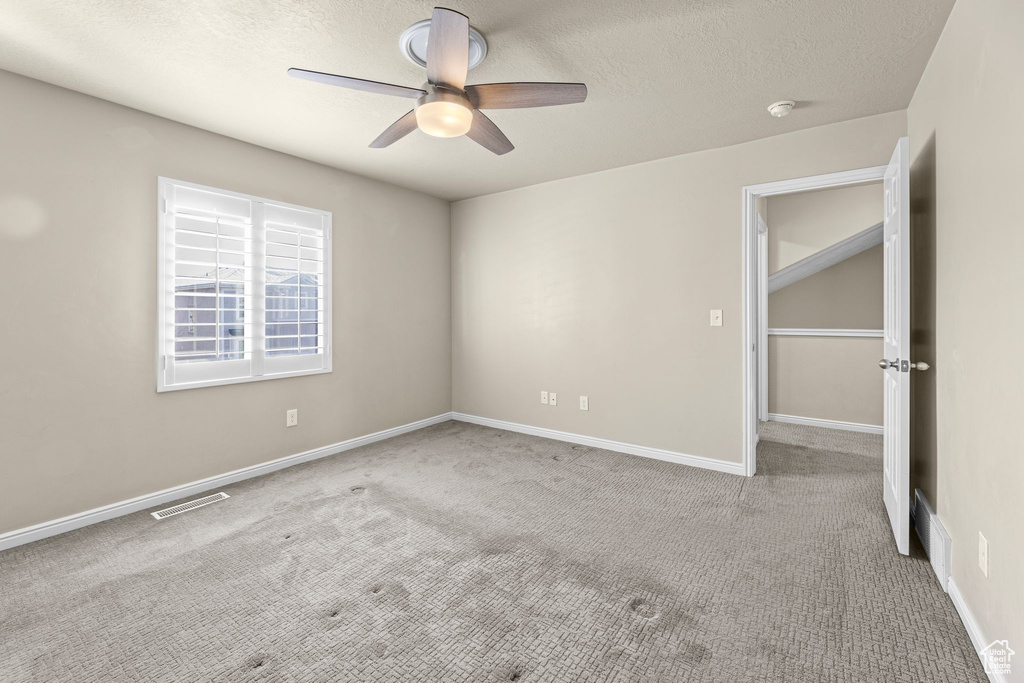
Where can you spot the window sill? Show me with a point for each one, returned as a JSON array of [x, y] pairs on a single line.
[[162, 388]]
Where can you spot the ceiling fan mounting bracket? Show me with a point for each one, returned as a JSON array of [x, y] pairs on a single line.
[[440, 93], [442, 88], [413, 44]]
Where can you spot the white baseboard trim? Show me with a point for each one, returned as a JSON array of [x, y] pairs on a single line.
[[631, 449], [125, 507], [978, 639], [936, 542], [828, 424]]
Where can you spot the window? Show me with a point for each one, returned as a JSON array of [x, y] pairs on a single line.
[[245, 288]]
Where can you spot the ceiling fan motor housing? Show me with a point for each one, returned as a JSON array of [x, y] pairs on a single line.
[[442, 93]]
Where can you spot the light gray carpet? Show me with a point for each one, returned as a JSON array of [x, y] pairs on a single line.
[[460, 553]]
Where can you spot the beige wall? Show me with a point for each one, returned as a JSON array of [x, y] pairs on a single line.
[[80, 420], [826, 378], [601, 285], [829, 378], [967, 149], [804, 223], [847, 295]]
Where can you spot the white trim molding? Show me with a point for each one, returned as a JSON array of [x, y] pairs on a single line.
[[827, 424], [762, 320], [817, 182], [821, 332], [752, 285], [606, 444], [126, 507], [826, 258], [979, 640]]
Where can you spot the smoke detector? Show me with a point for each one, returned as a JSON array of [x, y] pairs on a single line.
[[780, 109], [413, 44]]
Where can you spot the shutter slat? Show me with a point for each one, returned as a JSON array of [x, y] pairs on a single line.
[[189, 340], [289, 336], [212, 355], [197, 214]]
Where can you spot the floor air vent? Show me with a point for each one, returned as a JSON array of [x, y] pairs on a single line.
[[191, 505]]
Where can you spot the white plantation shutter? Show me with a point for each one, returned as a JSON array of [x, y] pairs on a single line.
[[244, 288], [295, 323]]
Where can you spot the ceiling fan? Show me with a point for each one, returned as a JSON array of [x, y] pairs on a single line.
[[445, 106]]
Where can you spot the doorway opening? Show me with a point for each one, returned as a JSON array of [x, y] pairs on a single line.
[[790, 265], [819, 318], [895, 365]]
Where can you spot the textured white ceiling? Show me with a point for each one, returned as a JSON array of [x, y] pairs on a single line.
[[665, 76]]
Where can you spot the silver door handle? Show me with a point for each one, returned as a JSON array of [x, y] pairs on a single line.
[[920, 365], [886, 364]]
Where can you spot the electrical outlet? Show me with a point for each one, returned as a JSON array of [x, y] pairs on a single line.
[[983, 553], [291, 417], [553, 398], [584, 403], [544, 397], [716, 317]]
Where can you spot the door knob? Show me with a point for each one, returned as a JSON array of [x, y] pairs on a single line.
[[920, 366], [886, 364]]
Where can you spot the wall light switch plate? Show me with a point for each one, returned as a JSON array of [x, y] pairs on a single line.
[[544, 397], [716, 317], [584, 403], [553, 398], [983, 553], [291, 418]]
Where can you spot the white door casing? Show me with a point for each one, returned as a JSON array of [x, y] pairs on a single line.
[[750, 194], [762, 319], [896, 343]]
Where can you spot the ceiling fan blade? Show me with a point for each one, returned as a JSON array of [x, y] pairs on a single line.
[[448, 48], [357, 83], [396, 131], [524, 95], [485, 133]]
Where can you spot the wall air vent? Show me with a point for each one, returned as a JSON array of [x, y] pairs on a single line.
[[936, 541], [191, 505]]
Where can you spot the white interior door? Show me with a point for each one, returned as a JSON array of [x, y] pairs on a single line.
[[896, 363]]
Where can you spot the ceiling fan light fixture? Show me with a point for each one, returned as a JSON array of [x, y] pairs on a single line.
[[443, 112], [444, 119], [445, 106]]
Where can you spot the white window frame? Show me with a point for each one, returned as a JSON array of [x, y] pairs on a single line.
[[220, 372]]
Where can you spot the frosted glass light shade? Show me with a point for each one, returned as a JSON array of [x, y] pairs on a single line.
[[444, 119]]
